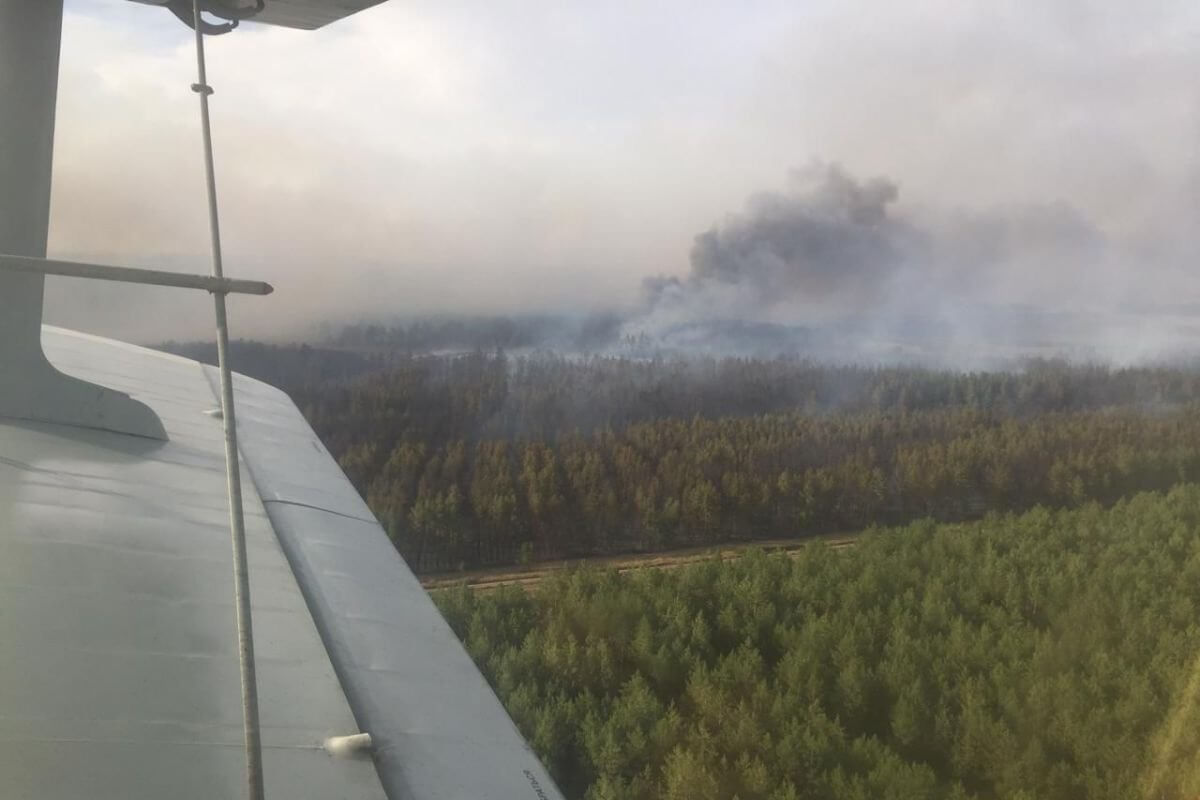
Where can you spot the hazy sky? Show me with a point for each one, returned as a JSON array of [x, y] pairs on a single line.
[[531, 155]]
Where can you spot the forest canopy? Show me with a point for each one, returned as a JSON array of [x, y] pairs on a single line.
[[1047, 655], [1025, 628], [484, 459]]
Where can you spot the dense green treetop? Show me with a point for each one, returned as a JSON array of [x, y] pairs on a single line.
[[1048, 655], [482, 459]]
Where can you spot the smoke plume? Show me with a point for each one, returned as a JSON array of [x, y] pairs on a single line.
[[853, 273], [828, 238]]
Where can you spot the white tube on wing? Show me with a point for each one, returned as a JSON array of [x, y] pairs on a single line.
[[348, 746]]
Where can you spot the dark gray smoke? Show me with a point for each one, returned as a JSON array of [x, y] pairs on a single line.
[[828, 238], [839, 260]]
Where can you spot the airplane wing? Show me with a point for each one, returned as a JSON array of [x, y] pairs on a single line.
[[120, 663], [119, 670]]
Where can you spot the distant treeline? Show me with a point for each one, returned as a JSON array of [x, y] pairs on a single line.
[[525, 332], [1049, 656], [295, 368], [487, 459], [598, 333], [671, 483]]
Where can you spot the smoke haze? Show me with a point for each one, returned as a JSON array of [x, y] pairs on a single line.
[[1011, 177], [865, 277]]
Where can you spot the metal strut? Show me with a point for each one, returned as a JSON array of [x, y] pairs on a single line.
[[241, 574], [232, 16]]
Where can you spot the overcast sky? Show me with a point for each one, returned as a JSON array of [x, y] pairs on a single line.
[[431, 156]]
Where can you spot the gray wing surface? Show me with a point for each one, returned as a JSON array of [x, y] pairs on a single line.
[[304, 14], [118, 670]]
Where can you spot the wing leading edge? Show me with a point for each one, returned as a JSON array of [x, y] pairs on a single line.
[[440, 732], [119, 674]]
